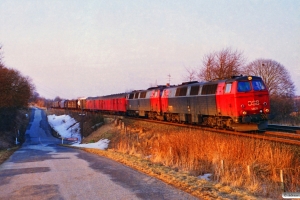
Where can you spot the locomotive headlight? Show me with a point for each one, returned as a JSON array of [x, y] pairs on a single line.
[[249, 78], [244, 113], [265, 103], [267, 110]]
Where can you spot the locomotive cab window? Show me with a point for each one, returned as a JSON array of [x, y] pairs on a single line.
[[136, 95], [131, 96], [228, 87], [181, 91], [209, 89], [194, 90], [258, 85], [244, 86], [143, 95]]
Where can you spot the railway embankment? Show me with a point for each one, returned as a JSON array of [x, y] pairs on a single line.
[[11, 139], [239, 167], [235, 167]]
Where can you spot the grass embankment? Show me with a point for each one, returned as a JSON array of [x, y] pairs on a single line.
[[8, 138], [241, 168], [6, 153]]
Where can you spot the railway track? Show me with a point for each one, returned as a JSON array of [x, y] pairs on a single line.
[[282, 137], [280, 128], [275, 133]]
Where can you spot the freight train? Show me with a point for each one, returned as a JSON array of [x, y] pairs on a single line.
[[240, 103]]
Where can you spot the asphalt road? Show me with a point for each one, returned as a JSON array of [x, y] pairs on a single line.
[[42, 169]]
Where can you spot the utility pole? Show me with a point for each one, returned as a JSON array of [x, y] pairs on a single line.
[[169, 79], [81, 121]]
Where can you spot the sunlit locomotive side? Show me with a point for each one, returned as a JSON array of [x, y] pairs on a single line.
[[145, 103], [240, 103], [246, 101]]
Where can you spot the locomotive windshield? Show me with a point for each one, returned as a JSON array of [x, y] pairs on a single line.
[[258, 85], [245, 86]]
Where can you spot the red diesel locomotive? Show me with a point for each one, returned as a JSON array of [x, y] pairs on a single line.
[[240, 103]]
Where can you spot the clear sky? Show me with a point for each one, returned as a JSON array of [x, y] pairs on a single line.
[[73, 48]]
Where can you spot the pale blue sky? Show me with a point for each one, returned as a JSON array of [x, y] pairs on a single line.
[[93, 47]]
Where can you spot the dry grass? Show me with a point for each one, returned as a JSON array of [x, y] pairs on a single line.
[[180, 179], [7, 139], [237, 164], [5, 154], [242, 168]]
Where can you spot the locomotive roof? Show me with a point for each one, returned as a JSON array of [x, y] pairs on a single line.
[[233, 78], [162, 87], [242, 78], [134, 91], [157, 87], [188, 83]]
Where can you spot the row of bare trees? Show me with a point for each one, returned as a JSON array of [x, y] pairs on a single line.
[[227, 62], [15, 92]]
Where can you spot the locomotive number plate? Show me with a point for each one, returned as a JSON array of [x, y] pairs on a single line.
[[253, 103]]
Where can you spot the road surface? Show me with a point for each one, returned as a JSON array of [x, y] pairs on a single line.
[[41, 169]]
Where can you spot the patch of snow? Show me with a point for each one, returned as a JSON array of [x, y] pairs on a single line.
[[67, 127], [101, 144], [205, 177]]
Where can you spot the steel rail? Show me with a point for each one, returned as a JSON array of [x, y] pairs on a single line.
[[279, 137], [283, 135], [288, 138], [289, 129]]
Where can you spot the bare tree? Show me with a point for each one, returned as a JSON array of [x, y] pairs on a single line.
[[191, 74], [274, 74], [279, 83], [221, 65]]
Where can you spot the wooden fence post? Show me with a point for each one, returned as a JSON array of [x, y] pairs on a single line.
[[222, 166], [281, 180], [248, 170]]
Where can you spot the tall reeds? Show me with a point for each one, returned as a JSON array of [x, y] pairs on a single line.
[[236, 161]]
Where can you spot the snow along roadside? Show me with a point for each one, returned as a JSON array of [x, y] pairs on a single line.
[[67, 127]]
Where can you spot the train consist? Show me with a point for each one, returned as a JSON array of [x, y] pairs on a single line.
[[240, 103]]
